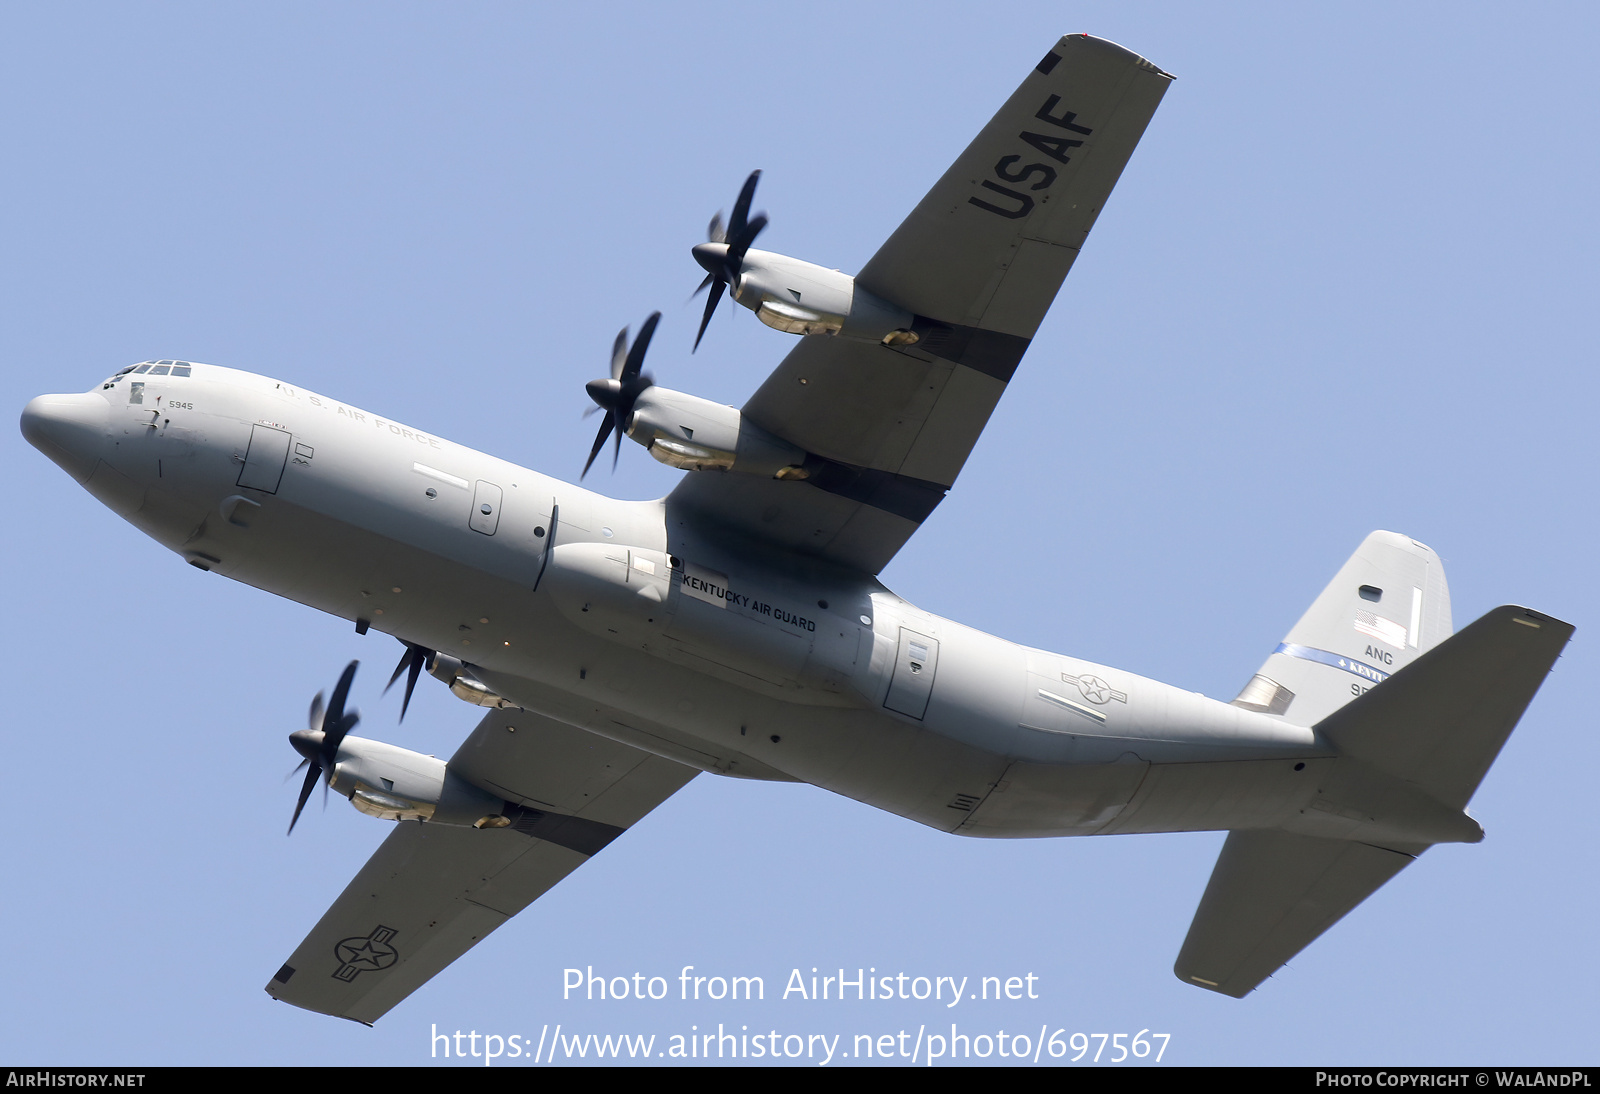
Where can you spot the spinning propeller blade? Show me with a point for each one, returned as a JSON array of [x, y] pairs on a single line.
[[415, 659], [617, 395], [319, 745], [722, 264]]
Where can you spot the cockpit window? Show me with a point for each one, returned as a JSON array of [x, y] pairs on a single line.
[[154, 368]]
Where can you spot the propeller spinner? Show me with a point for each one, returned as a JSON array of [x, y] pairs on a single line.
[[617, 395], [723, 252], [320, 744]]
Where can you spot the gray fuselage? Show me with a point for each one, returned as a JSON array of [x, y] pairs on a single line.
[[632, 621]]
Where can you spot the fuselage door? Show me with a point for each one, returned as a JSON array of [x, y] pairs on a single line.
[[264, 459], [914, 666], [485, 516]]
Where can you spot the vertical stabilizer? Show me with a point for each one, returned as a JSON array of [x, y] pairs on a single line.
[[1387, 605]]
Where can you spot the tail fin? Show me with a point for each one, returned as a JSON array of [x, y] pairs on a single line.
[[1388, 605], [1428, 736]]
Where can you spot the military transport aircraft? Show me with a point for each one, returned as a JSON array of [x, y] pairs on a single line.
[[736, 626]]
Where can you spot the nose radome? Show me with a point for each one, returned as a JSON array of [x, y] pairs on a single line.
[[70, 429]]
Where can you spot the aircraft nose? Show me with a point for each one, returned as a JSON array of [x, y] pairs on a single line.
[[70, 429]]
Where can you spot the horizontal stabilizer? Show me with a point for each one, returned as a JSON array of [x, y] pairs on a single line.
[[1441, 721], [1270, 896], [1433, 727]]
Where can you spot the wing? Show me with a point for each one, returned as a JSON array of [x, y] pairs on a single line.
[[431, 892], [978, 262]]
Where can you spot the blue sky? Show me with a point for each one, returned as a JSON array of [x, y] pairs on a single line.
[[1347, 282]]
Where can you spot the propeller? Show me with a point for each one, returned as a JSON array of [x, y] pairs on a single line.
[[722, 254], [617, 395], [320, 744], [415, 658]]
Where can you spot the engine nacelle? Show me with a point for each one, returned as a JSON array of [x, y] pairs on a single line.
[[393, 783], [463, 683], [699, 435], [802, 298]]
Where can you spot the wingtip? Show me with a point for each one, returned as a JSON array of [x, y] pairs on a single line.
[[1083, 40]]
